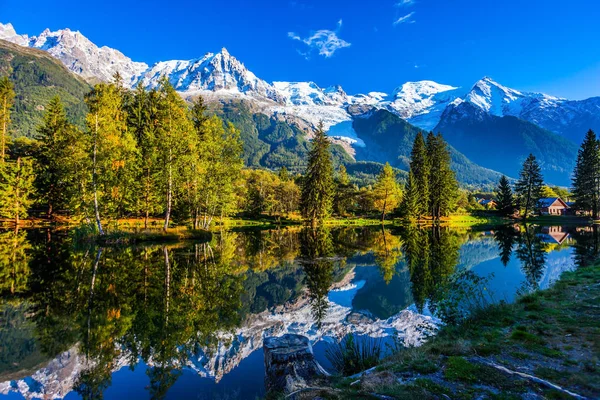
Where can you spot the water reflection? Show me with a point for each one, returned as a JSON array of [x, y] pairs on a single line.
[[83, 313]]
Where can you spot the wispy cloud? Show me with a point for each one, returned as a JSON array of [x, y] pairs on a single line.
[[324, 41], [407, 19], [405, 3]]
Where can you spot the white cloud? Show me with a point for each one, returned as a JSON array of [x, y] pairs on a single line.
[[405, 19], [325, 41], [405, 3]]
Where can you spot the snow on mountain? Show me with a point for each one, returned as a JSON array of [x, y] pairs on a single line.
[[218, 72], [422, 103], [79, 54], [8, 33], [220, 75]]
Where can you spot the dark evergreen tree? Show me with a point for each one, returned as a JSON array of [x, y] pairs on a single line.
[[443, 187], [586, 177], [318, 186], [418, 204], [504, 195], [529, 186]]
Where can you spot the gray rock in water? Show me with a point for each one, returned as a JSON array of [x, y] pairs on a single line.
[[290, 364]]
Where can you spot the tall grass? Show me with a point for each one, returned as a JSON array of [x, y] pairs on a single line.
[[354, 354]]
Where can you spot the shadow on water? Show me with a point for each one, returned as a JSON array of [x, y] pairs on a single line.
[[175, 313]]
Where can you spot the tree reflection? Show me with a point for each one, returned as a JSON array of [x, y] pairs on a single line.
[[14, 262], [431, 256], [316, 252], [506, 238], [531, 252], [388, 253]]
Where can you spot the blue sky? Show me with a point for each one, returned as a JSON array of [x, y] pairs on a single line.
[[539, 45]]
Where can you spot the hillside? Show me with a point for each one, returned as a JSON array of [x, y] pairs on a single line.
[[38, 77], [388, 138], [503, 143]]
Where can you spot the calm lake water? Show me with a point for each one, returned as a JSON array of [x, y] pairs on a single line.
[[187, 320]]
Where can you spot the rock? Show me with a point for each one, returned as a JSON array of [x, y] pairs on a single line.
[[290, 364]]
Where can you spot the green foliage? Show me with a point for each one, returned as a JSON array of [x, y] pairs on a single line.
[[529, 186], [443, 186], [7, 98], [504, 197], [386, 191], [587, 175], [317, 185], [60, 160], [16, 188], [354, 354]]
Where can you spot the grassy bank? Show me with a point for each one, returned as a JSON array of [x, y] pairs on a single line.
[[546, 345]]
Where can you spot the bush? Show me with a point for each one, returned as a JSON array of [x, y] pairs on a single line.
[[352, 354]]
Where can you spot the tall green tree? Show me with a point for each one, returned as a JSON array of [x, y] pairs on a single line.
[[529, 186], [7, 98], [586, 177], [443, 186], [504, 195], [16, 188], [221, 154], [59, 158], [175, 135], [386, 191], [143, 109], [113, 151], [318, 185], [418, 193]]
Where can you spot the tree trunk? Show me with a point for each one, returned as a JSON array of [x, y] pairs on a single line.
[[17, 194], [169, 193], [94, 178]]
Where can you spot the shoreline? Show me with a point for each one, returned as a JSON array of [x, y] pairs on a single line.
[[544, 344]]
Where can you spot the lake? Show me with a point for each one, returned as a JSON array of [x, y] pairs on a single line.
[[187, 320]]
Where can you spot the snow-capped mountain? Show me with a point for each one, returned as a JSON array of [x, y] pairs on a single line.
[[79, 54], [221, 75]]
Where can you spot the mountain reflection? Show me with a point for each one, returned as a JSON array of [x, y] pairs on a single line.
[[206, 306]]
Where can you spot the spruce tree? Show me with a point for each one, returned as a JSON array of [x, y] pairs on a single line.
[[59, 158], [443, 187], [7, 97], [529, 186], [411, 197], [420, 170], [586, 177], [16, 188], [386, 191], [318, 186], [504, 195]]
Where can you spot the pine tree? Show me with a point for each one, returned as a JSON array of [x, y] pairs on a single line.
[[386, 191], [529, 185], [142, 117], [283, 174], [318, 185], [344, 192], [58, 158], [443, 187], [504, 195], [7, 96], [16, 188], [420, 169], [586, 177], [410, 202]]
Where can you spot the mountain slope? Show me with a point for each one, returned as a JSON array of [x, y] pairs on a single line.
[[503, 143], [37, 78], [388, 138]]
